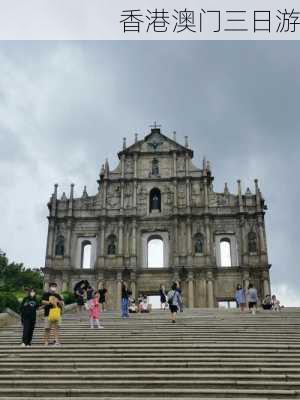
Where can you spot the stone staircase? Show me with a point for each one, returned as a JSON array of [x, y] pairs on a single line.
[[211, 354]]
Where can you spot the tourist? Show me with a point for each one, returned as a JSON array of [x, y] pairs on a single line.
[[94, 311], [125, 300], [133, 308], [240, 297], [140, 301], [163, 297], [89, 296], [53, 303], [174, 301], [145, 306], [103, 297], [275, 303], [252, 298], [29, 306], [267, 302], [80, 299]]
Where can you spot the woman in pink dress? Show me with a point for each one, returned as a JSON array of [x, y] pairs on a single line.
[[94, 311]]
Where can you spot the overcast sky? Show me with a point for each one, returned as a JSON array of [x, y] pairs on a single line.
[[65, 107]]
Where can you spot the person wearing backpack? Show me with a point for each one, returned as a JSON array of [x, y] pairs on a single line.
[[28, 316], [53, 303], [174, 301]]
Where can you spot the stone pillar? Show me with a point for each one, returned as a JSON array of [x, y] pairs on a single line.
[[134, 193], [135, 165], [205, 196], [46, 281], [191, 289], [174, 164], [120, 246], [50, 241], [122, 196], [133, 249], [189, 236], [246, 279], [188, 193], [210, 291], [119, 290], [65, 282], [133, 284], [207, 239], [68, 239], [102, 247], [202, 294], [261, 235]]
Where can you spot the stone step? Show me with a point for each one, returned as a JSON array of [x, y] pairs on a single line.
[[148, 393], [129, 376]]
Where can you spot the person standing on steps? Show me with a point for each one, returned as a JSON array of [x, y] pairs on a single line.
[[125, 300], [89, 295], [80, 300], [29, 306], [240, 298], [53, 304], [103, 297], [163, 297], [94, 311], [252, 298], [174, 301]]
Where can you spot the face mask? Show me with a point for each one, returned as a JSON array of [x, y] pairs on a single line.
[[32, 294], [53, 289]]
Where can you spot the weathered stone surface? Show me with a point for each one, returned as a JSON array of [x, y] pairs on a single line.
[[157, 192]]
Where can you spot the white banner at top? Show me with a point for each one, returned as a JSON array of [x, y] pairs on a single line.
[[149, 20]]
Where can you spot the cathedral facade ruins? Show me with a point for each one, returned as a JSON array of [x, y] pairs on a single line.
[[210, 241]]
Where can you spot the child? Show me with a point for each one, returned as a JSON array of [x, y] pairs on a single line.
[[94, 311], [28, 316], [275, 303], [252, 298], [240, 297]]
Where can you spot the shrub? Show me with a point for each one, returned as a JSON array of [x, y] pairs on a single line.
[[9, 300], [69, 297]]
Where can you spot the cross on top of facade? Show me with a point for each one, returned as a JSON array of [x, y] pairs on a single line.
[[154, 125]]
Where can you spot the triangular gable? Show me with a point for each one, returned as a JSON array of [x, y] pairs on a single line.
[[154, 142]]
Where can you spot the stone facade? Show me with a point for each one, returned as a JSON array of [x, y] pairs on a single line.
[[157, 192]]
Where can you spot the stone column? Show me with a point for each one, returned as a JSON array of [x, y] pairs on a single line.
[[261, 235], [189, 236], [210, 291], [122, 197], [188, 194], [68, 239], [191, 289], [102, 247], [207, 250], [133, 249], [120, 246], [65, 282], [133, 284], [246, 279], [46, 281], [174, 164], [119, 290], [50, 240], [205, 196], [202, 294]]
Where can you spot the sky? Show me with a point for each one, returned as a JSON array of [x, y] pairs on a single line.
[[65, 107]]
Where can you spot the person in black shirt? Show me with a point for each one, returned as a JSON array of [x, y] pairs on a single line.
[[125, 300], [29, 306], [103, 297], [51, 299]]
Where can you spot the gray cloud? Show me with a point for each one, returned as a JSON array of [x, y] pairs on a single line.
[[65, 106]]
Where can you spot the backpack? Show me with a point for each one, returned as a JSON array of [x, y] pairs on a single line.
[[170, 299]]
